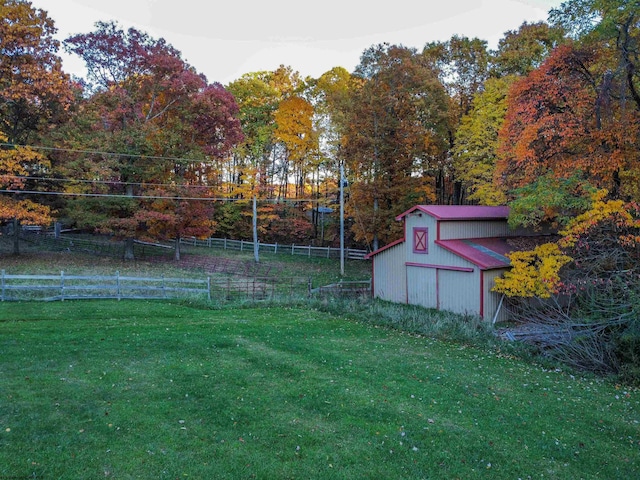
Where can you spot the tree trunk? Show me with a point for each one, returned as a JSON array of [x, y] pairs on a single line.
[[176, 255], [16, 236], [128, 249], [128, 242], [376, 207]]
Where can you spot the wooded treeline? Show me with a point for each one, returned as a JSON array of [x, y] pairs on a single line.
[[146, 147]]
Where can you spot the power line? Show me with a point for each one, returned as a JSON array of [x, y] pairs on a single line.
[[160, 197], [99, 152], [115, 195], [105, 182]]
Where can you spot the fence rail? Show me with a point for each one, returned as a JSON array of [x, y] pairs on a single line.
[[142, 249], [221, 289], [67, 287], [351, 288], [307, 250]]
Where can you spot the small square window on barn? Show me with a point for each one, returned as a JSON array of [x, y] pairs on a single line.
[[420, 240]]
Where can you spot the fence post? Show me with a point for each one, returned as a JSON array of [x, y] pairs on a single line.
[[3, 285], [164, 291], [209, 288], [293, 245], [118, 294], [309, 250], [276, 248], [62, 285], [225, 243], [328, 251], [241, 244]]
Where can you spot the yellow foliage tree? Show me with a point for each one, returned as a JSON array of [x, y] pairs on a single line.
[[601, 210], [592, 239], [534, 273]]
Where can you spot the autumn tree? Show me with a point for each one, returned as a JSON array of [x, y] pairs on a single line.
[[294, 129], [166, 124], [521, 51], [33, 88], [394, 138], [584, 288], [614, 26], [17, 164], [172, 213], [476, 143], [329, 94], [612, 29], [257, 99], [563, 119], [462, 66], [34, 94], [276, 120]]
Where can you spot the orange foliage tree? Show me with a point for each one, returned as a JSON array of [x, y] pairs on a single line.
[[395, 139], [565, 119], [34, 93]]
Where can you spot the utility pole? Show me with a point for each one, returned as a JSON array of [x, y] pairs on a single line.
[[341, 219], [256, 244]]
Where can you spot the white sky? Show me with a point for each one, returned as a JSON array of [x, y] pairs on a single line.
[[226, 39]]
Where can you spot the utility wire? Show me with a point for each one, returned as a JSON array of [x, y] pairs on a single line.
[[99, 152], [115, 195], [105, 182], [162, 197]]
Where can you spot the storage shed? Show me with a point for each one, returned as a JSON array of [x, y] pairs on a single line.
[[448, 259]]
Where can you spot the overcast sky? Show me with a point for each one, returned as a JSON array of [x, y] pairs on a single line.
[[225, 40]]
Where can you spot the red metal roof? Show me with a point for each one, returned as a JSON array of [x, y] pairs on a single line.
[[486, 253], [460, 212]]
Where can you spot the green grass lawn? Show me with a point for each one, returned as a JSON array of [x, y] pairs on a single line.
[[162, 390]]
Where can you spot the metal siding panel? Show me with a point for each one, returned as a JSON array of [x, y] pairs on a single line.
[[459, 292], [441, 256], [389, 280], [492, 299], [473, 229], [421, 287]]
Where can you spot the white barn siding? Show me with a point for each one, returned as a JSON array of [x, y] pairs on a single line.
[[389, 277], [459, 292], [422, 286], [492, 299], [450, 230]]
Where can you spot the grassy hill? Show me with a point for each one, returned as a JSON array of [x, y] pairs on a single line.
[[168, 390], [47, 259]]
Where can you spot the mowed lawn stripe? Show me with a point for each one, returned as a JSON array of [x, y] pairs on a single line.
[[163, 390]]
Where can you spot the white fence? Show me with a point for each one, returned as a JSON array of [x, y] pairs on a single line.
[[67, 287], [219, 289], [307, 250]]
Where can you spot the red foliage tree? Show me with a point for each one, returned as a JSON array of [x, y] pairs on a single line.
[[154, 109]]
